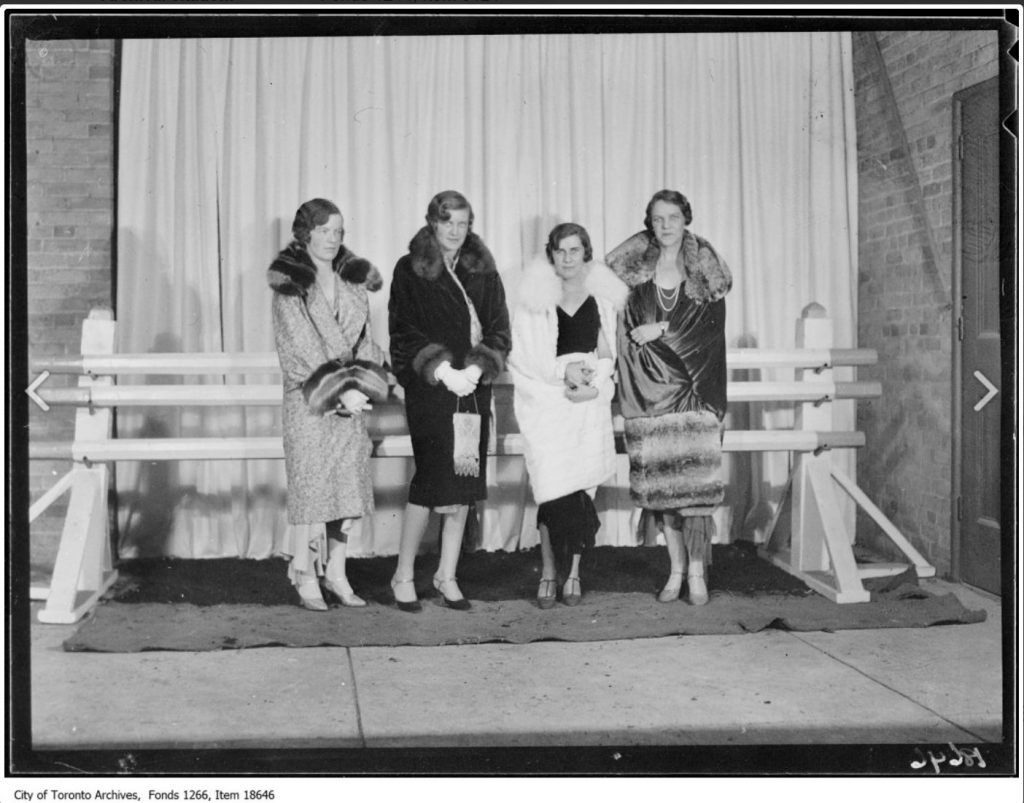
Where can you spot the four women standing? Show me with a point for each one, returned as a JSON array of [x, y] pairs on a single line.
[[450, 337]]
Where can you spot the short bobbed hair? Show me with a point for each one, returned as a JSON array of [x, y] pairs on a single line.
[[442, 205], [311, 214], [563, 230], [672, 197]]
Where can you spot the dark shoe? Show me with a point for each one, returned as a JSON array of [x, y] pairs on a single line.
[[572, 593], [546, 593], [408, 607], [461, 604]]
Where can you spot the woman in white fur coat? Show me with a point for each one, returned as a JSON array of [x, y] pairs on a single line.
[[562, 364]]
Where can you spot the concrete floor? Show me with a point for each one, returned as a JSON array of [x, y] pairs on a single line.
[[930, 685]]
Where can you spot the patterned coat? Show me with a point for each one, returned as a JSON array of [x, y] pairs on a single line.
[[326, 456]]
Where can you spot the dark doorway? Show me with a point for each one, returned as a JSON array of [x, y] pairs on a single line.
[[976, 222]]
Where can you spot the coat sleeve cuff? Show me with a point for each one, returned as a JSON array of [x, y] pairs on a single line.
[[427, 360], [489, 361]]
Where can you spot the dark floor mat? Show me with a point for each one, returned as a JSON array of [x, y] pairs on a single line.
[[170, 604]]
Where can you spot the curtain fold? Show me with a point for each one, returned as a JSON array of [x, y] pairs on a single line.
[[222, 139]]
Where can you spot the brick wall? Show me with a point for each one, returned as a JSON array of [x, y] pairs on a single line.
[[905, 303], [69, 100]]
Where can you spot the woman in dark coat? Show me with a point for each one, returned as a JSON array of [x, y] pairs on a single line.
[[672, 382], [331, 371], [449, 328]]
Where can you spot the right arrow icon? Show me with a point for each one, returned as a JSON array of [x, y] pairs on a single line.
[[992, 391]]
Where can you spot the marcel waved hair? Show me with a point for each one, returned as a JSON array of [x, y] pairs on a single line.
[[563, 230], [443, 204], [311, 214], [671, 197]]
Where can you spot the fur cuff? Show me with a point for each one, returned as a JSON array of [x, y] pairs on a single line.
[[428, 358], [322, 391], [487, 359]]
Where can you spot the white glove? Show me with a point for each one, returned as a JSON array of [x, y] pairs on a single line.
[[355, 401], [455, 381], [473, 374]]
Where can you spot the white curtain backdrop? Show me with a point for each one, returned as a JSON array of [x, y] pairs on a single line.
[[222, 139]]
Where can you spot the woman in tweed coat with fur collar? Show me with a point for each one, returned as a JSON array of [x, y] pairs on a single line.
[[672, 382], [331, 371]]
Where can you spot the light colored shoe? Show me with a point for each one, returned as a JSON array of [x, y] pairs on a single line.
[[546, 593], [670, 593], [309, 595], [697, 589], [345, 594], [572, 592]]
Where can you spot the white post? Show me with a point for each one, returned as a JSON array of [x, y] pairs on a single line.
[[813, 331], [820, 551], [83, 570]]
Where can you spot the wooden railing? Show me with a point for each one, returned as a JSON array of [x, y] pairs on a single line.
[[816, 546]]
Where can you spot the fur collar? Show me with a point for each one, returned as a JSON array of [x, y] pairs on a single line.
[[292, 273], [707, 277], [541, 289], [428, 262]]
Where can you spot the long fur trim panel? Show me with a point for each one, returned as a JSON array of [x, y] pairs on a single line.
[[428, 261], [541, 289], [324, 387], [707, 276], [675, 462], [427, 360], [490, 361], [292, 273]]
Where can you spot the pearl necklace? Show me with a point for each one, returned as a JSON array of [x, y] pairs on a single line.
[[667, 300]]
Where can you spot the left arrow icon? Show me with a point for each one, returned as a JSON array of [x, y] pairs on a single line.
[[31, 391]]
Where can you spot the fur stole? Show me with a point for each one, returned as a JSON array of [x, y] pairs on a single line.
[[428, 261], [292, 273], [707, 277], [541, 289]]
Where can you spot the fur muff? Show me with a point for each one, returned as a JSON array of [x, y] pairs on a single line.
[[674, 462], [323, 390], [428, 261], [292, 273], [707, 277], [541, 289]]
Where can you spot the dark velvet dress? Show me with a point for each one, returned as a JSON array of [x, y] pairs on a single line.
[[572, 520]]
